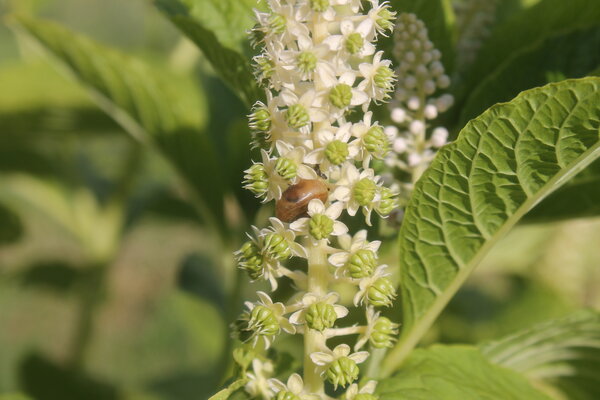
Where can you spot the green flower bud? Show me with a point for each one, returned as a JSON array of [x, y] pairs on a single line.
[[277, 23], [341, 95], [241, 332], [286, 168], [362, 263], [256, 180], [320, 316], [385, 19], [342, 372], [354, 43], [381, 293], [384, 78], [260, 120], [384, 332], [319, 5], [307, 62], [265, 67], [320, 226], [364, 191], [376, 142], [336, 152], [277, 247], [365, 396], [388, 202], [297, 116], [257, 35], [263, 321], [251, 259], [285, 395]]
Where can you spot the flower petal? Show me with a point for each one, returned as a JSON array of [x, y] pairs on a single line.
[[359, 357], [321, 358]]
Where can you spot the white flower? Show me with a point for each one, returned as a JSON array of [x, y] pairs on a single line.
[[339, 104], [305, 56], [324, 140], [366, 283], [278, 310], [277, 184], [258, 383], [369, 71], [296, 154], [308, 101], [289, 235], [352, 40], [292, 21], [297, 318], [357, 189], [317, 208], [353, 390], [350, 245], [324, 358], [294, 385]]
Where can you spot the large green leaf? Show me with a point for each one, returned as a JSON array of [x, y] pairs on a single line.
[[438, 17], [567, 55], [154, 106], [578, 199], [564, 352], [455, 373], [228, 20], [536, 23], [503, 163], [210, 27]]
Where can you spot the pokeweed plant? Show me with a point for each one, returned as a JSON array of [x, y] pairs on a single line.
[[323, 158]]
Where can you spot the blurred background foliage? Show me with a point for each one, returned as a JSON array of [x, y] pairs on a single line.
[[117, 283]]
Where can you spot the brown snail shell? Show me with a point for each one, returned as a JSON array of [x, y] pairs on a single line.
[[294, 201]]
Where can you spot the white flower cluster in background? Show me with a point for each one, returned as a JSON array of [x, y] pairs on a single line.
[[318, 64], [474, 18], [416, 103]]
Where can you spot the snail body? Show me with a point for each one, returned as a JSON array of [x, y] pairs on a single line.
[[294, 201]]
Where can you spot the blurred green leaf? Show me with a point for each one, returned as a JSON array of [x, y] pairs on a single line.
[[564, 352], [228, 20], [197, 275], [438, 16], [11, 228], [154, 106], [75, 210], [455, 373], [14, 396], [204, 24], [43, 379], [477, 188], [495, 305], [194, 333], [571, 55], [57, 276], [535, 24]]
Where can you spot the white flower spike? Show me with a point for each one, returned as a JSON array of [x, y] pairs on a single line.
[[318, 64]]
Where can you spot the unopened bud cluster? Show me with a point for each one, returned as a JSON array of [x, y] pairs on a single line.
[[318, 64], [474, 19], [416, 103]]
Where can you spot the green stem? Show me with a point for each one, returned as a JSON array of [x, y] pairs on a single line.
[[318, 280], [91, 296]]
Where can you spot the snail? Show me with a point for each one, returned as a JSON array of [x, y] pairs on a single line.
[[294, 201]]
